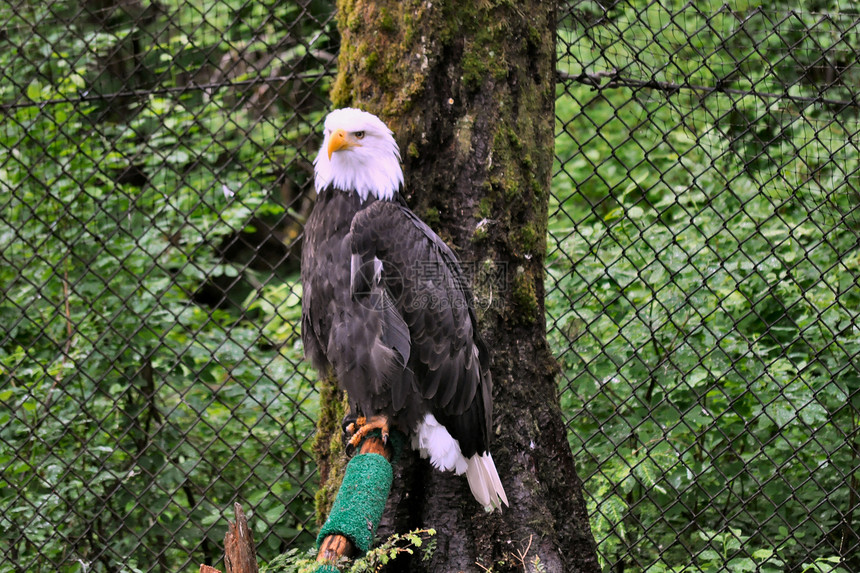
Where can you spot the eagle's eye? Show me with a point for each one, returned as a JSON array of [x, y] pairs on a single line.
[[359, 134]]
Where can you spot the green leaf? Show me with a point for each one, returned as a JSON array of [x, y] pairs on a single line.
[[34, 91], [762, 553], [741, 564]]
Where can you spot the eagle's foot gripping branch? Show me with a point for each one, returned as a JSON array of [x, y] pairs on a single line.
[[361, 427]]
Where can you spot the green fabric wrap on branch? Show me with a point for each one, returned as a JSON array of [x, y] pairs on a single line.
[[360, 501], [327, 569]]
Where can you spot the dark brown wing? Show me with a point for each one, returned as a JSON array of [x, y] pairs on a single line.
[[341, 334], [420, 284]]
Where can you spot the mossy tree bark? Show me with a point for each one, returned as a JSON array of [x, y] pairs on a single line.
[[469, 90]]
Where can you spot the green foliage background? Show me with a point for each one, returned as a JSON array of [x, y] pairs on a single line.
[[702, 281], [703, 286], [132, 417]]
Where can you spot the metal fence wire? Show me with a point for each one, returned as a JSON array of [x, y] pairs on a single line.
[[702, 279]]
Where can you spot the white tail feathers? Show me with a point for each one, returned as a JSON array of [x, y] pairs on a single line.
[[484, 481], [433, 441]]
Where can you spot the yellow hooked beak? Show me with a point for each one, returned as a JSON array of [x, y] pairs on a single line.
[[339, 139]]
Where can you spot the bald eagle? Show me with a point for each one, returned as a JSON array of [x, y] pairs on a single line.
[[386, 308]]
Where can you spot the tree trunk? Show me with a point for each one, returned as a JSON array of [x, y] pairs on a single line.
[[469, 90]]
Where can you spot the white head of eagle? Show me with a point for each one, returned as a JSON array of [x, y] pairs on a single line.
[[358, 153]]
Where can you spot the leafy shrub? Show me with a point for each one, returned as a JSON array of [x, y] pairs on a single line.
[[703, 304], [132, 417]]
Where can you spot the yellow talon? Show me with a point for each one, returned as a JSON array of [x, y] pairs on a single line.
[[354, 426], [363, 426]]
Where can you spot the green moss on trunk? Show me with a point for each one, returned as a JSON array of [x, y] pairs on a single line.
[[328, 445]]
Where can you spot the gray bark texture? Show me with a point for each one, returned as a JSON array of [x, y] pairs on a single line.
[[469, 90]]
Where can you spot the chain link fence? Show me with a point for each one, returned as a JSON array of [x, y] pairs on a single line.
[[156, 168], [702, 294], [703, 280]]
